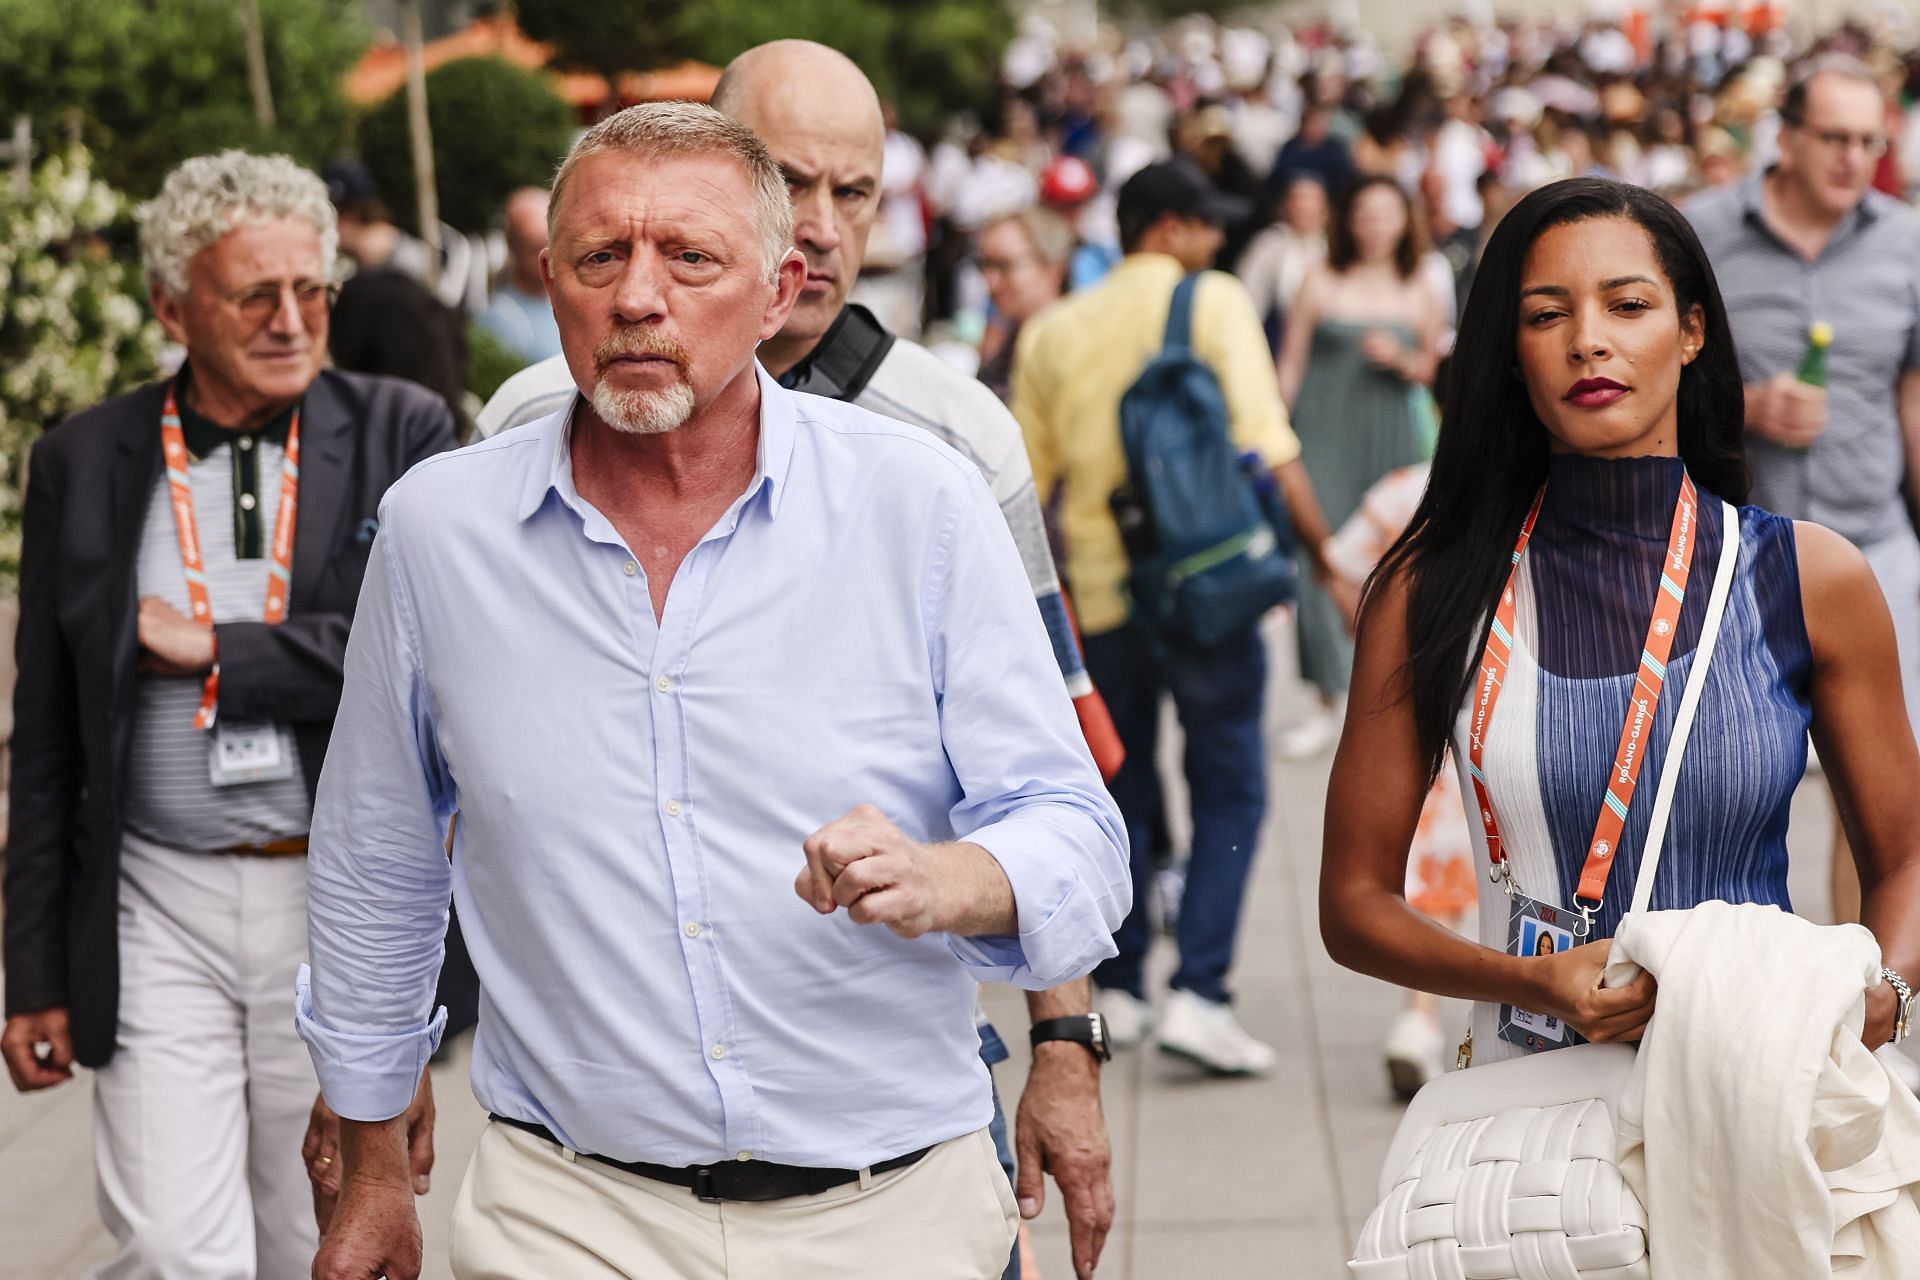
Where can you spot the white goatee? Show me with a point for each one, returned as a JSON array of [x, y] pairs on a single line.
[[643, 413]]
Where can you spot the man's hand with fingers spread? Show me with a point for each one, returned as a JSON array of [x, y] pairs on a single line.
[[864, 863]]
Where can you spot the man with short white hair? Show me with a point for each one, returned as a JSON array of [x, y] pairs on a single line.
[[193, 552], [823, 124], [783, 767]]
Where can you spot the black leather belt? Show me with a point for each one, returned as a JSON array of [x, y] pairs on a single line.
[[734, 1179]]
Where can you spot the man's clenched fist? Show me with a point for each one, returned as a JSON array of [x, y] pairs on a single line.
[[866, 864]]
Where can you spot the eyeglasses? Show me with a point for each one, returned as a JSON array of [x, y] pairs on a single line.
[[1005, 266], [261, 303], [1874, 144]]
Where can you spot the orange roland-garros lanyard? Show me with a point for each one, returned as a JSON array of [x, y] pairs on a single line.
[[1648, 683], [280, 568]]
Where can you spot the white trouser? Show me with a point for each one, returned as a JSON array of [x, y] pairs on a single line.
[[1895, 562], [528, 1208], [198, 1118]]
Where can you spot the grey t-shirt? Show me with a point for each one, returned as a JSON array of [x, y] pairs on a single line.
[[1866, 284]]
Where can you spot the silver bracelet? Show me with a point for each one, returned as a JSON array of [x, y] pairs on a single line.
[[1903, 1011]]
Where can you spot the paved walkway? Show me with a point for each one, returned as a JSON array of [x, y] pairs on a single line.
[[1214, 1179]]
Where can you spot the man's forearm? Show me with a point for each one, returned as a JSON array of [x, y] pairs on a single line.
[[1908, 406], [375, 1151], [980, 893], [1068, 1000], [1303, 509]]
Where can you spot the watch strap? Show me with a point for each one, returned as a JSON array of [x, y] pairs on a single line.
[[1082, 1028], [1903, 1011]]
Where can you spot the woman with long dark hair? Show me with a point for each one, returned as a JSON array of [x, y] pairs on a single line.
[[1594, 376], [1360, 347]]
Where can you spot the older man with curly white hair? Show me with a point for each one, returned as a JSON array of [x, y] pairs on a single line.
[[193, 553]]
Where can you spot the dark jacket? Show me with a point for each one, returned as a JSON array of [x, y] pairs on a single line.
[[89, 483]]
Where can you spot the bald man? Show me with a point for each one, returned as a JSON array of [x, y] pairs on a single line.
[[518, 313], [821, 120]]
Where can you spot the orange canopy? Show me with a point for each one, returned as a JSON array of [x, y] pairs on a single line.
[[382, 70]]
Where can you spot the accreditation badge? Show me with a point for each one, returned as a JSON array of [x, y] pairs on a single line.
[[249, 752], [1535, 928]]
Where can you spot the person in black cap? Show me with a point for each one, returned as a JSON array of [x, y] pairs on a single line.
[[1072, 365]]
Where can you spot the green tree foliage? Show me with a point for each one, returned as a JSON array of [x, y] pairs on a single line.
[[611, 36], [489, 362], [495, 127], [155, 81], [931, 57]]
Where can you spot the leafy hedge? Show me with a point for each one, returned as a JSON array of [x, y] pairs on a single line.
[[496, 127]]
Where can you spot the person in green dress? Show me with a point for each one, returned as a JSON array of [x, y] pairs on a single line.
[[1361, 346]]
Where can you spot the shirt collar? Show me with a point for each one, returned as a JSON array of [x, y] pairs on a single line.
[[203, 435], [1754, 208], [1155, 263], [553, 473]]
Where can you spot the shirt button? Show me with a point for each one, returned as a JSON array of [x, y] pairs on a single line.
[[629, 568], [693, 930], [718, 1052], [743, 1155], [246, 442], [246, 502], [663, 684], [673, 808]]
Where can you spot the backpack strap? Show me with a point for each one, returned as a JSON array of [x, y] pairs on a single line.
[[1180, 314]]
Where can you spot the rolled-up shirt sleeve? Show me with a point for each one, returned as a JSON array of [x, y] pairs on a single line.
[[378, 877], [1031, 795]]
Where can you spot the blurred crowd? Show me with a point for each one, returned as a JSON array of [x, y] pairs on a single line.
[[1013, 205], [1475, 116]]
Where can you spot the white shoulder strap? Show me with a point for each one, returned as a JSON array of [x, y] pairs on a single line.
[[1689, 703]]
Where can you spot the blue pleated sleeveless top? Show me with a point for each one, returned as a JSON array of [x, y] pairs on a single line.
[[1584, 593]]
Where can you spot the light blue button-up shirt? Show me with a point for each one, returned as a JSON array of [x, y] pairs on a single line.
[[633, 796]]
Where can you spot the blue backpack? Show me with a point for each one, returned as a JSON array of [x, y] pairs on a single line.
[[1206, 530]]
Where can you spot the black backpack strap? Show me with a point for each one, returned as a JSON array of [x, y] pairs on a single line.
[[1180, 313], [846, 357]]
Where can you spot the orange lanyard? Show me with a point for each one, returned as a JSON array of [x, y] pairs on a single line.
[[1648, 683], [280, 569]]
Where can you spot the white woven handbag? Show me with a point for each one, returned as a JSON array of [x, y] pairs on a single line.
[[1511, 1171]]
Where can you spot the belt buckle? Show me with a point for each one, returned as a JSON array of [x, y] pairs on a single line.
[[703, 1188]]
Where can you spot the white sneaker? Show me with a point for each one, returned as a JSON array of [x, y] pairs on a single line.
[[1129, 1018], [1208, 1034], [1312, 737], [1413, 1049]]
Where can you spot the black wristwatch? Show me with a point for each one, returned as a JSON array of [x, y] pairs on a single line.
[[1089, 1029]]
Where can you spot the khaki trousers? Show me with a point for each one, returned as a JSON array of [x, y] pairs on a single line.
[[526, 1209]]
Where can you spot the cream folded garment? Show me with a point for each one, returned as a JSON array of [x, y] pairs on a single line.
[[1763, 1137]]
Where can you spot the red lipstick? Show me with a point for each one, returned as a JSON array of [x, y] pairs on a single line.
[[1594, 393]]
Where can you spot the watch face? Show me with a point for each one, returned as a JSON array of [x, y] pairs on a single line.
[[1101, 1048]]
